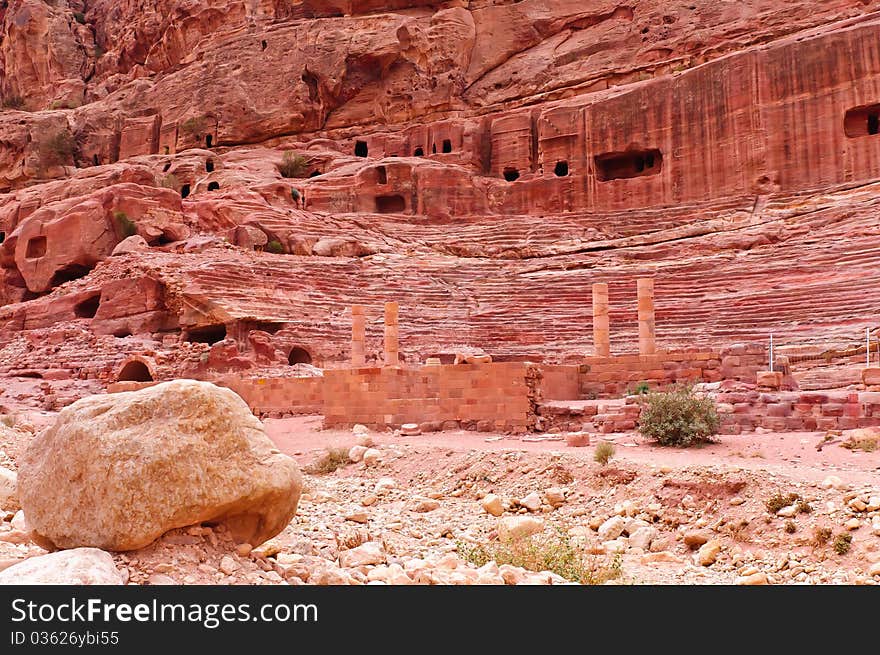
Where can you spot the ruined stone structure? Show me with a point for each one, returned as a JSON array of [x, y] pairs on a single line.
[[519, 177]]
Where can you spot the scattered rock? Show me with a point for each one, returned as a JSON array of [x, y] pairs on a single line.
[[693, 539], [356, 453], [492, 505], [410, 430], [833, 482], [554, 497], [853, 524], [358, 517], [79, 566], [531, 502], [642, 538], [753, 579], [364, 555], [8, 497], [709, 552], [514, 527], [372, 457], [612, 528], [662, 556], [228, 565], [788, 512], [425, 505]]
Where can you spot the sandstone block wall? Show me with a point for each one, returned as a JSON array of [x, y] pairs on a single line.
[[609, 377], [798, 411], [491, 397]]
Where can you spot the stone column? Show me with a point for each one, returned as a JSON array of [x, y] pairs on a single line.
[[645, 287], [601, 341], [358, 336], [391, 357]]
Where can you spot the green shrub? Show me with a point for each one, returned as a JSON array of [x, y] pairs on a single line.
[[779, 500], [331, 460], [275, 246], [294, 194], [640, 389], [678, 417], [790, 527], [293, 165], [124, 224], [821, 536], [13, 102], [170, 181], [193, 127], [543, 552], [842, 543], [79, 17], [604, 452], [56, 149]]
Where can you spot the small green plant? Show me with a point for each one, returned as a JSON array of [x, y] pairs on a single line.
[[544, 552], [13, 102], [803, 506], [79, 17], [294, 194], [678, 417], [821, 536], [640, 389], [331, 460], [275, 247], [170, 181], [56, 149], [193, 127], [124, 224], [790, 527], [293, 165], [842, 543], [604, 452], [866, 444], [779, 500]]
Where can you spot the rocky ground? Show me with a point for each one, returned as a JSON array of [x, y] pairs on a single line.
[[413, 508]]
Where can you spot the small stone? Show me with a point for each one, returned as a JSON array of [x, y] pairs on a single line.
[[356, 453], [8, 498], [531, 502], [788, 512], [359, 429], [612, 528], [410, 430], [369, 499], [228, 565], [642, 538], [425, 505], [874, 571], [664, 556], [736, 501], [385, 484], [858, 505], [492, 505], [369, 553], [852, 524], [365, 440], [514, 527], [161, 579], [244, 549], [833, 482], [709, 552], [695, 538], [372, 457], [358, 517], [554, 497], [754, 579]]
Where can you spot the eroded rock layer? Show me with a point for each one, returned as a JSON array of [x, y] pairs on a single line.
[[269, 164]]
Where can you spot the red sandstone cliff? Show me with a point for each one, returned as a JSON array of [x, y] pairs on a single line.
[[480, 162]]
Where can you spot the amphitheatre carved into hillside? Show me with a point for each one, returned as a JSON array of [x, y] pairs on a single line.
[[491, 215]]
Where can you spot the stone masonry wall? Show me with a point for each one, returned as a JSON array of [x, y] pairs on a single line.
[[490, 397]]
